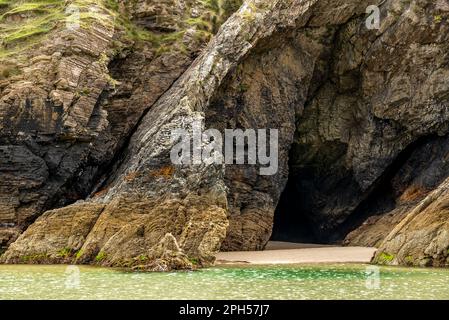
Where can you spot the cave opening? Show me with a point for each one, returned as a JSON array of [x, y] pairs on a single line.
[[309, 190], [317, 185], [290, 222]]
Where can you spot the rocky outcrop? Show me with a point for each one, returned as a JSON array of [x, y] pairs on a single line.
[[49, 116], [68, 106], [362, 118], [371, 142], [422, 236], [146, 184]]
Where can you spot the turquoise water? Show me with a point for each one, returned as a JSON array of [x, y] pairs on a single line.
[[273, 282]]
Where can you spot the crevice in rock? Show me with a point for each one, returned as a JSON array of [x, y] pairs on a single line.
[[107, 173], [382, 198]]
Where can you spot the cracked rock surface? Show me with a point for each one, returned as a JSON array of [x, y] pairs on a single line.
[[362, 116]]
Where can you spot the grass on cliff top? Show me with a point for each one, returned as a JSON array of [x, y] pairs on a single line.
[[219, 12], [25, 22], [215, 13]]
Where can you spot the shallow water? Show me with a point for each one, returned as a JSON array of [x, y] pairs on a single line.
[[269, 282]]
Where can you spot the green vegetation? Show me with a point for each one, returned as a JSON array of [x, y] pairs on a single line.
[[83, 92], [385, 257], [65, 253], [228, 7], [218, 11], [23, 23], [409, 260], [78, 254], [20, 20], [100, 256], [137, 33], [243, 87], [194, 261], [35, 258], [215, 13], [248, 14]]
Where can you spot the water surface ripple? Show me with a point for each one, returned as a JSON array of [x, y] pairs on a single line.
[[262, 282]]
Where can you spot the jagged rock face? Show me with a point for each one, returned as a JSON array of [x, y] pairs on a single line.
[[362, 118], [421, 237], [368, 146], [78, 97], [268, 90], [48, 117], [380, 93], [195, 198]]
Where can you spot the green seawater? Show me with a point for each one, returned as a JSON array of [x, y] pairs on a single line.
[[345, 281]]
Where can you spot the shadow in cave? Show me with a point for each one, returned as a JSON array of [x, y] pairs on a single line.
[[290, 222], [292, 219], [399, 175]]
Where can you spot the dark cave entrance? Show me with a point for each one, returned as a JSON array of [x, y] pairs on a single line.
[[290, 222], [309, 190], [316, 181]]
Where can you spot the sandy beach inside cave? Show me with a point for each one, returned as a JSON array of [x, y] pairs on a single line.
[[298, 253]]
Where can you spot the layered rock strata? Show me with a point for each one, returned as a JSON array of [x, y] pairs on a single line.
[[362, 117]]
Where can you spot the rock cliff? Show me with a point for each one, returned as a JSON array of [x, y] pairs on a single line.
[[87, 112]]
